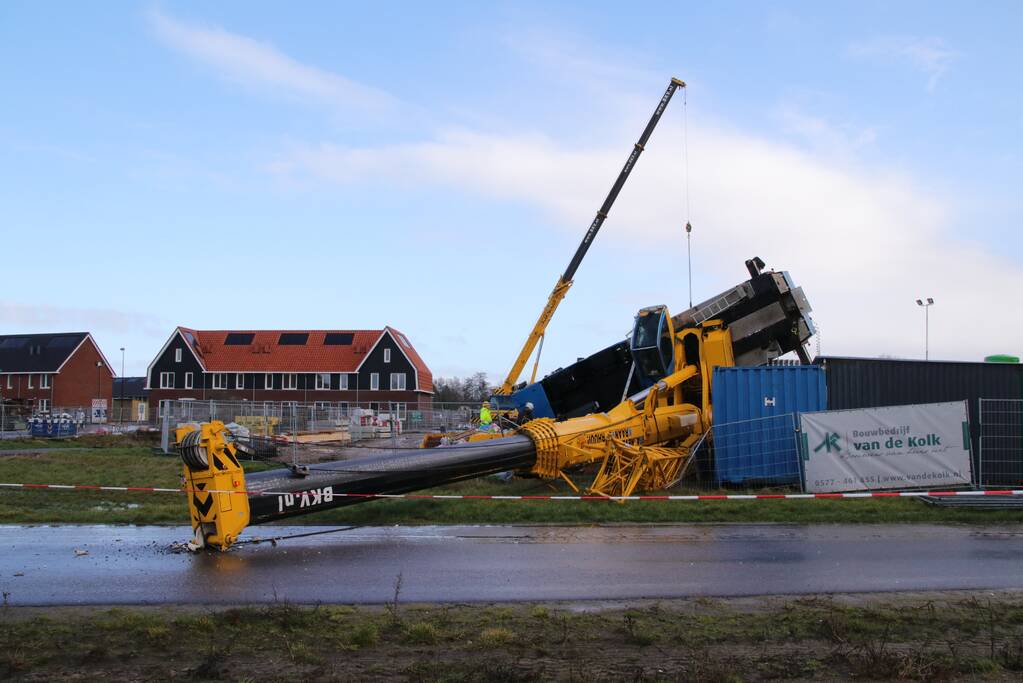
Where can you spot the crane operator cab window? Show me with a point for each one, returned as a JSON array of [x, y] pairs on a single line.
[[653, 349]]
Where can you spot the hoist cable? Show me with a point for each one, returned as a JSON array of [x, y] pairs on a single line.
[[685, 147], [685, 159]]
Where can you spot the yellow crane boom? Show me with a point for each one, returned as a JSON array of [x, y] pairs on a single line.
[[565, 281]]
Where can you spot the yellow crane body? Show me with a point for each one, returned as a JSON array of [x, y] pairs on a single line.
[[629, 439]]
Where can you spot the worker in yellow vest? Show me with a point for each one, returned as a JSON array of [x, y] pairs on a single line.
[[485, 417]]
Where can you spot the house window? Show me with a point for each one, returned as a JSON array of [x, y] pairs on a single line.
[[397, 381], [220, 380], [177, 355], [374, 381], [44, 405], [268, 381], [189, 380], [290, 381], [10, 381], [323, 380], [239, 380], [166, 380], [387, 355], [44, 381], [343, 385], [30, 386], [343, 406]]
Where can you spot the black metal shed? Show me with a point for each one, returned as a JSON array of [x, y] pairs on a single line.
[[872, 382]]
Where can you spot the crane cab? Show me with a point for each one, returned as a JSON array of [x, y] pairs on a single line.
[[653, 344]]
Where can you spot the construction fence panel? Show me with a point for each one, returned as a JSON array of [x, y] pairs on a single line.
[[20, 420], [754, 454], [1000, 461], [312, 432]]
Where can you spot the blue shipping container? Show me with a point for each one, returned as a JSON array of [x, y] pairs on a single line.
[[755, 418]]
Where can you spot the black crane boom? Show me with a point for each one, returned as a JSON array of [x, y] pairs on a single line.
[[605, 208]]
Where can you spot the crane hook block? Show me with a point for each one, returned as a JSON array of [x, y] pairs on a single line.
[[217, 500]]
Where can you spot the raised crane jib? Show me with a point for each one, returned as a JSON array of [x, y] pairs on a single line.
[[565, 281]]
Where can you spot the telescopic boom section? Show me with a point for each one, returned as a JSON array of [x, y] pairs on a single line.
[[565, 281]]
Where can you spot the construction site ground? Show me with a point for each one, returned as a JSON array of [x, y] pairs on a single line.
[[947, 635], [116, 464], [921, 636]]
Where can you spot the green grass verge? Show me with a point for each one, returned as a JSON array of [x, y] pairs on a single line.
[[128, 440], [138, 467], [872, 638]]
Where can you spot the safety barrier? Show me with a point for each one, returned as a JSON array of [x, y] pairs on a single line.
[[753, 454], [582, 498], [1000, 460]]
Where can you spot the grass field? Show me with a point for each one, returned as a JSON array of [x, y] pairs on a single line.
[[922, 637], [130, 440], [136, 466]]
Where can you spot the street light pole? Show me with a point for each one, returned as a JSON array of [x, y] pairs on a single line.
[[122, 385], [927, 324], [99, 392]]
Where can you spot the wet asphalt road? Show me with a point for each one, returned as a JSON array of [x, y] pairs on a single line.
[[133, 565]]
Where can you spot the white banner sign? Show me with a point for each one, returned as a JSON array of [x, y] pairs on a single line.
[[886, 448]]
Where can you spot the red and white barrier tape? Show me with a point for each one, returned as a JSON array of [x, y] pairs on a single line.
[[420, 496]]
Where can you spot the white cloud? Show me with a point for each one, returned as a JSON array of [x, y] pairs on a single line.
[[927, 55], [255, 63], [844, 141], [18, 318], [570, 59], [864, 242], [140, 333]]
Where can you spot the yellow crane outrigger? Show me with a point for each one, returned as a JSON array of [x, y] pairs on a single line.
[[565, 281]]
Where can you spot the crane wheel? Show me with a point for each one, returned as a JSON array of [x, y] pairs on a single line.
[[192, 452]]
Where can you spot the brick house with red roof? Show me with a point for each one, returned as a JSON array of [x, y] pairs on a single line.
[[54, 371], [343, 368]]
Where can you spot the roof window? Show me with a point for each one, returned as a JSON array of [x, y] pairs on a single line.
[[293, 338], [338, 339], [239, 338]]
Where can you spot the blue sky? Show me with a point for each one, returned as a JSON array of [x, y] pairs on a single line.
[[432, 167]]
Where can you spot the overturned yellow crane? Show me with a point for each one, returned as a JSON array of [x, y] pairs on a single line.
[[635, 414], [643, 442]]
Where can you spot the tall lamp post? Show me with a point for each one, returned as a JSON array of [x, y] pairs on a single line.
[[99, 392], [122, 386], [926, 303]]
